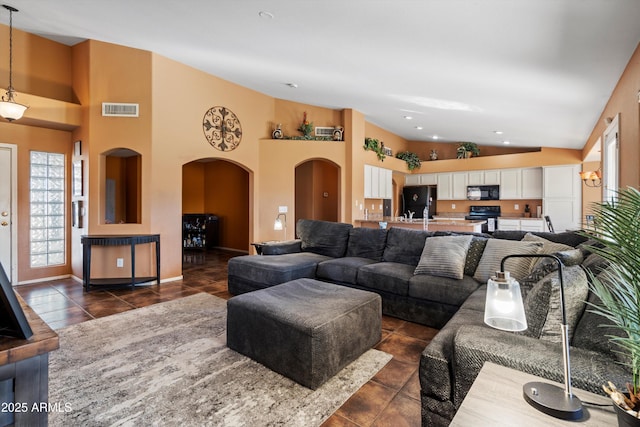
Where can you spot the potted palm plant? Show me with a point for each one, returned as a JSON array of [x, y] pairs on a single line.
[[618, 287]]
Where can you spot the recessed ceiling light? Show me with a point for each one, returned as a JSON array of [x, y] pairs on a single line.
[[265, 14], [419, 127], [498, 132], [292, 85], [435, 137], [506, 142], [408, 117]]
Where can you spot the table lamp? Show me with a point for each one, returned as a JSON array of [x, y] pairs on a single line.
[[504, 310]]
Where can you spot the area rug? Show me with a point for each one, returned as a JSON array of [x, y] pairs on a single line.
[[168, 364]]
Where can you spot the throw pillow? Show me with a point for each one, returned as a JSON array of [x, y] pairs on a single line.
[[542, 305], [548, 247], [496, 249], [546, 266], [474, 254], [444, 256]]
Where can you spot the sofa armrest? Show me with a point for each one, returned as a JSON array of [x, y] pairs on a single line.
[[280, 248], [475, 345]]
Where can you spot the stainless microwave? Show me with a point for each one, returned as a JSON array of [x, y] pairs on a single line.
[[483, 192]]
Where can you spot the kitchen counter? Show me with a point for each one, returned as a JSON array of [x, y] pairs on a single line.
[[432, 225]]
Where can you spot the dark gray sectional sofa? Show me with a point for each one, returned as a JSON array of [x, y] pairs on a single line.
[[385, 261]]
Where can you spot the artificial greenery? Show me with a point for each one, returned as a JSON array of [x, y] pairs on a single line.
[[468, 147], [617, 232], [375, 146], [306, 127], [412, 159]]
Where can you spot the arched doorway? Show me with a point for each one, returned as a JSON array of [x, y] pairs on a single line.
[[317, 190], [216, 191]]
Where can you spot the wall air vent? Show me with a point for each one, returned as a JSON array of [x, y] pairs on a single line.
[[324, 131], [119, 109]]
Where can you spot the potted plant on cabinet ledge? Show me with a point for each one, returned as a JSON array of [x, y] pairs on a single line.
[[618, 287], [468, 149], [412, 159]]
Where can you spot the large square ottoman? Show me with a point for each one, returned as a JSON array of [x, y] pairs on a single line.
[[304, 329]]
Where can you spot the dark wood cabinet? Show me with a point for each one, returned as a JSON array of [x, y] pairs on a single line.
[[199, 231]]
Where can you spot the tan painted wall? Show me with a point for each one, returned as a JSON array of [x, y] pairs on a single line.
[[624, 101], [193, 188]]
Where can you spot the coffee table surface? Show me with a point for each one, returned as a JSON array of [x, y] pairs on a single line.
[[495, 399]]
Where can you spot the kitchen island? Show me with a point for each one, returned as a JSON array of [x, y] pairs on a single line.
[[419, 224]]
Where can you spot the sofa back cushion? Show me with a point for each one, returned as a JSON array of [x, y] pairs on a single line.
[[323, 237], [496, 249], [404, 245], [444, 256], [366, 243]]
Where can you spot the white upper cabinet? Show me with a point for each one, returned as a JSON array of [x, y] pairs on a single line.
[[490, 177], [378, 183], [412, 179], [421, 179], [445, 187], [562, 196], [532, 183], [459, 182], [510, 181]]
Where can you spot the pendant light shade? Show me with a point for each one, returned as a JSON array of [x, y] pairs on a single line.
[[9, 108]]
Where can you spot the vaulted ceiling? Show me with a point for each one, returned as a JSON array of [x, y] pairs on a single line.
[[539, 71]]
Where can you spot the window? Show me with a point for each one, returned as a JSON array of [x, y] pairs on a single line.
[[47, 233], [610, 161]]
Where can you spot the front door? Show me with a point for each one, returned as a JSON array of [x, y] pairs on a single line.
[[7, 209]]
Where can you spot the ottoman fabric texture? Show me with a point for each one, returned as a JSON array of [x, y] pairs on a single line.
[[304, 329]]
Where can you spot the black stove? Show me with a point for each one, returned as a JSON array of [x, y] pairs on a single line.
[[488, 213]]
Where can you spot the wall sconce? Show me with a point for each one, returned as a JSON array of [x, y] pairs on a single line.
[[591, 178], [9, 108], [281, 224], [504, 310]]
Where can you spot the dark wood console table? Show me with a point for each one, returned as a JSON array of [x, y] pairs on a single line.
[[24, 373], [117, 240]]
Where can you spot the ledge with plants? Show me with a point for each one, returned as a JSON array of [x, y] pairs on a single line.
[[372, 144], [412, 159]]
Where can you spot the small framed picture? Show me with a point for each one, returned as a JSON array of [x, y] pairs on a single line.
[[77, 148], [77, 178]]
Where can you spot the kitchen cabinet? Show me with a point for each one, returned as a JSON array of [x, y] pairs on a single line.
[[510, 182], [445, 187], [531, 183], [524, 224], [459, 182], [421, 179], [488, 177], [378, 183], [562, 196]]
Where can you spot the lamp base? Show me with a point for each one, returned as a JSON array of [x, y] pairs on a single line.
[[552, 400]]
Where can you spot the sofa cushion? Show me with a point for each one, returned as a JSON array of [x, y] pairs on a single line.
[[442, 289], [548, 247], [474, 254], [444, 256], [546, 266], [391, 277], [366, 243], [269, 270], [496, 249], [323, 237], [404, 245], [542, 305], [341, 270]]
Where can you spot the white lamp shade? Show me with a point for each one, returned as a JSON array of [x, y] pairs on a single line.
[[12, 110], [504, 308], [277, 225]]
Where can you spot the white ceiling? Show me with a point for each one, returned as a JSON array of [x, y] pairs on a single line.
[[541, 71]]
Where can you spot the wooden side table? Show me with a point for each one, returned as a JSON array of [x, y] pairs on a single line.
[[24, 373], [495, 400]]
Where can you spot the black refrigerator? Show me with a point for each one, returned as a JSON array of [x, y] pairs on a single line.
[[416, 198]]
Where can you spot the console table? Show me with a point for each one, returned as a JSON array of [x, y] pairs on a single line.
[[118, 240], [495, 399], [24, 373]]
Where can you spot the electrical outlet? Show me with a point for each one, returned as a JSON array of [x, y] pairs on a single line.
[[516, 206], [120, 262], [282, 209], [453, 205]]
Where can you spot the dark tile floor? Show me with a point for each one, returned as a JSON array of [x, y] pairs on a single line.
[[391, 398]]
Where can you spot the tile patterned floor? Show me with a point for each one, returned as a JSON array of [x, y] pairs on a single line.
[[391, 398]]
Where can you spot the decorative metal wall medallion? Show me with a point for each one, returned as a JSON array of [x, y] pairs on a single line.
[[222, 128]]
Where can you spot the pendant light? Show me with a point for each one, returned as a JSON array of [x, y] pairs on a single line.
[[9, 108]]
